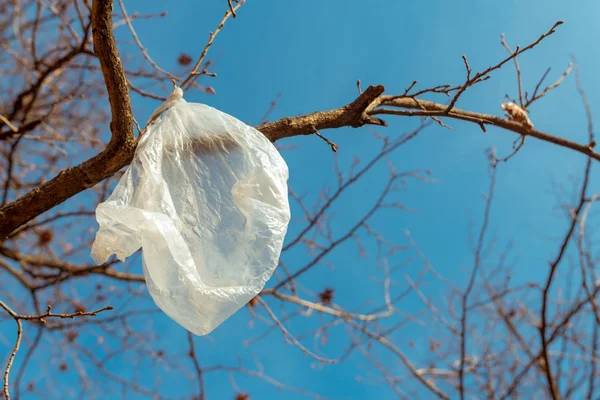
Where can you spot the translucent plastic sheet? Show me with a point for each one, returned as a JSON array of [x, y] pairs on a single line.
[[206, 199]]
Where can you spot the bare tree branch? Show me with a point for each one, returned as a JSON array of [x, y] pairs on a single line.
[[118, 153]]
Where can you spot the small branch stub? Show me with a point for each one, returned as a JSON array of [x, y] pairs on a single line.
[[333, 146]]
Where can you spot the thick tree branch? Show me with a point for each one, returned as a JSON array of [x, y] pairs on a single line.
[[112, 69], [117, 154], [353, 114]]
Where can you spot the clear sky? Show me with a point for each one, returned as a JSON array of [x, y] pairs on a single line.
[[313, 52]]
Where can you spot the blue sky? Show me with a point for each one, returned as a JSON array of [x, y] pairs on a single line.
[[313, 52]]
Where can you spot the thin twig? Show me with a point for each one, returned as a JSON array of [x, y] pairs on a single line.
[[483, 75], [287, 334], [140, 45], [193, 356], [211, 38], [231, 8], [519, 83], [9, 124], [575, 215], [18, 318], [476, 265], [333, 146]]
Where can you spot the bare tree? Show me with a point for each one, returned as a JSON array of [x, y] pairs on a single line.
[[65, 86]]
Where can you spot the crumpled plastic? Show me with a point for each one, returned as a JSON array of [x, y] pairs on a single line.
[[206, 199]]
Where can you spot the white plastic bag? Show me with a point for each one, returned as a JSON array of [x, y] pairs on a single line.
[[206, 199]]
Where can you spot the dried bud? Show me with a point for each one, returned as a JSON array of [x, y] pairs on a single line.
[[184, 59], [71, 336], [253, 302], [517, 114], [326, 296], [45, 236]]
